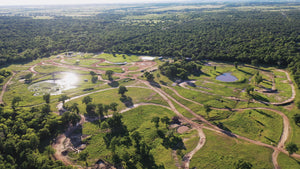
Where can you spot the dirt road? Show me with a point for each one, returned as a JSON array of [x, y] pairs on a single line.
[[5, 87]]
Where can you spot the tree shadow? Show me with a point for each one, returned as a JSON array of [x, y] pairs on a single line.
[[259, 122], [155, 84], [296, 160], [225, 130], [269, 139], [259, 97], [245, 72], [163, 82], [126, 100], [263, 113]]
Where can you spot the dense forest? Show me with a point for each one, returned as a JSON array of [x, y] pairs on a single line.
[[25, 135], [245, 36]]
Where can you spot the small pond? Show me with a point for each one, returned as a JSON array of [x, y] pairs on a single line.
[[55, 87], [226, 77]]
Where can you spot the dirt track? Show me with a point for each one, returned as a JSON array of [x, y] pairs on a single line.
[[280, 148], [5, 87]]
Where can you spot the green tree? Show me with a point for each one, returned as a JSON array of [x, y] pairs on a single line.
[[63, 98], [165, 120], [100, 110], [106, 108], [83, 157], [28, 77], [113, 106], [155, 120], [109, 74], [46, 98], [122, 90], [258, 79], [92, 73], [15, 102], [87, 99], [91, 109], [236, 65], [291, 148], [149, 76], [297, 119], [207, 109], [241, 164], [74, 108], [157, 75], [46, 109], [137, 139], [94, 79], [249, 90]]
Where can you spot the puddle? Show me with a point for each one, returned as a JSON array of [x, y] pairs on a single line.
[[226, 77]]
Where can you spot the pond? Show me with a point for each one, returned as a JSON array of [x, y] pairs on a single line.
[[55, 87], [226, 77]]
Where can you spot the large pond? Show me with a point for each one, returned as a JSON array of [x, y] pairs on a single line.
[[55, 87], [226, 77]]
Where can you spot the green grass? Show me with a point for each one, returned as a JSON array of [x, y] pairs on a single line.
[[136, 119], [133, 68], [115, 69], [46, 69], [286, 162], [82, 62], [119, 57], [191, 140], [19, 88], [222, 151], [282, 85], [262, 125], [138, 95], [205, 98], [106, 64]]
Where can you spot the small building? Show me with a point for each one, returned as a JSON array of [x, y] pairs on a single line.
[[86, 80]]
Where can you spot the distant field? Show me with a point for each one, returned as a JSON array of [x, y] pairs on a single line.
[[222, 152], [119, 57]]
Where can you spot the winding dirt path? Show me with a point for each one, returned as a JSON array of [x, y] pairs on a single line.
[[292, 98], [283, 137], [169, 99], [5, 87], [202, 139], [187, 158]]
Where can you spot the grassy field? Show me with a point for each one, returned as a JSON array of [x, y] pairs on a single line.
[[261, 125], [119, 57], [222, 152], [81, 62], [190, 140], [286, 162], [133, 68], [138, 119], [46, 69], [138, 95], [115, 69]]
